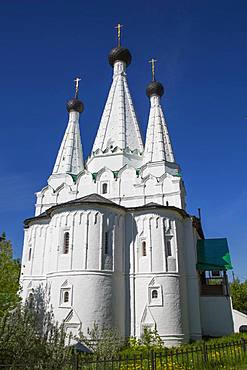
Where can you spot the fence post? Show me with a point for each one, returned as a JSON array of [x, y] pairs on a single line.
[[204, 351], [152, 360], [75, 360], [243, 344]]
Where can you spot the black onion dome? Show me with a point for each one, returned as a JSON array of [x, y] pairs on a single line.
[[155, 88], [121, 54], [75, 104]]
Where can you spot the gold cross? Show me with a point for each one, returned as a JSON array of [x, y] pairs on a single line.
[[118, 27], [77, 80], [153, 61]]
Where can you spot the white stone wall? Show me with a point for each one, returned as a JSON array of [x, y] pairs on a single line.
[[239, 319], [126, 187], [95, 281], [116, 289], [162, 272]]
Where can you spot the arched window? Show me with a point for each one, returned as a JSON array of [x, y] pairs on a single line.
[[66, 297], [168, 248], [104, 188], [66, 243], [154, 294], [106, 243], [30, 299], [29, 254], [96, 218], [144, 249]]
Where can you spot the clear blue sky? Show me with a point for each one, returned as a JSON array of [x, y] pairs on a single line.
[[202, 61]]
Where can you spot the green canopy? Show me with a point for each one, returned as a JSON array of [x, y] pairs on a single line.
[[213, 254]]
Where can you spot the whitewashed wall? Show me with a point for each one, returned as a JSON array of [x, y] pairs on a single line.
[[239, 319], [96, 281], [157, 270], [128, 188]]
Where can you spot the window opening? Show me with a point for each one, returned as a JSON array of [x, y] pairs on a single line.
[[215, 273], [213, 285], [106, 242], [29, 254], [104, 188], [96, 218], [168, 248], [154, 294], [66, 297], [144, 249], [66, 243]]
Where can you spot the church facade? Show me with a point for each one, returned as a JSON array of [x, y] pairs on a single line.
[[111, 239]]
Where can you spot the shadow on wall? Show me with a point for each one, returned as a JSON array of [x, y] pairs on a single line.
[[130, 238]]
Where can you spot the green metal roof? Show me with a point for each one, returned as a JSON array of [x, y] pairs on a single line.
[[213, 254]]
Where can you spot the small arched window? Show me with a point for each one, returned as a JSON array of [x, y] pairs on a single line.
[[104, 188], [96, 218], [106, 242], [168, 248], [154, 294], [66, 243], [66, 297], [29, 254], [144, 249]]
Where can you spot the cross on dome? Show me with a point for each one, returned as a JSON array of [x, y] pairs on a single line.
[[153, 61], [118, 27], [77, 80]]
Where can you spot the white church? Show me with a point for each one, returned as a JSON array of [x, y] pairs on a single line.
[[111, 237]]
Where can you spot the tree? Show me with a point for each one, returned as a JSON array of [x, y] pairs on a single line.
[[9, 276], [104, 342], [239, 295], [30, 338]]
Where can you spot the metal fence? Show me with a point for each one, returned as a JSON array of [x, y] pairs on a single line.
[[230, 356], [207, 356]]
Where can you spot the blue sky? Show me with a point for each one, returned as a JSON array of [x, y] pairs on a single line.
[[202, 59]]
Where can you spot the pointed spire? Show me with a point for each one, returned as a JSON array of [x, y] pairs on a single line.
[[119, 126], [70, 157], [158, 147]]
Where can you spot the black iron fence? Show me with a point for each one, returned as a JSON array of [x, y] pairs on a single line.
[[207, 356], [230, 356]]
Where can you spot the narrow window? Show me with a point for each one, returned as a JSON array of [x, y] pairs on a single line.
[[215, 273], [96, 218], [66, 297], [154, 294], [144, 249], [106, 243], [104, 188], [168, 248], [30, 299], [29, 254], [66, 243]]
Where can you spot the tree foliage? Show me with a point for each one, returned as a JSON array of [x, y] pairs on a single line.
[[29, 336], [239, 295], [104, 342], [149, 341], [9, 276]]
